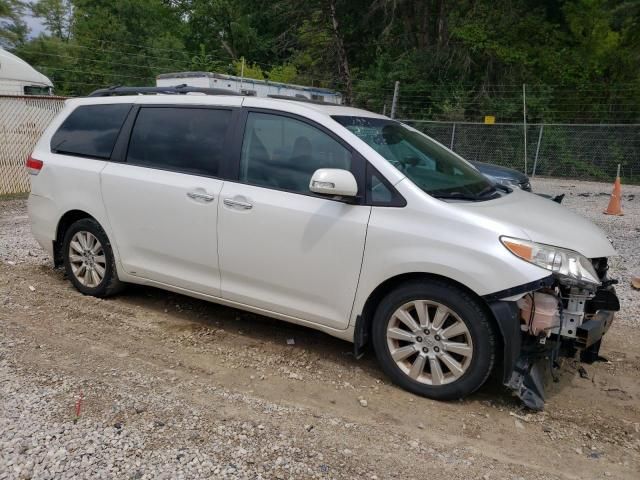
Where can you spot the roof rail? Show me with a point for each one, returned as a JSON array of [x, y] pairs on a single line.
[[177, 90], [300, 99]]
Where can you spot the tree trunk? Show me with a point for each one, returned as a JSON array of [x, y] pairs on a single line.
[[443, 34], [424, 26], [343, 61]]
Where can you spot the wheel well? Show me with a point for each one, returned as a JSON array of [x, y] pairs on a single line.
[[365, 319], [65, 222]]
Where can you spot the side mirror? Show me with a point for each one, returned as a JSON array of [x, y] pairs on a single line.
[[334, 182]]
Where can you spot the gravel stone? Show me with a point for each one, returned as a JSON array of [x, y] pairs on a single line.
[[168, 394], [590, 199]]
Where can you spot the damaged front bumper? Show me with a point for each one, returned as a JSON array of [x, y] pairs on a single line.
[[582, 318]]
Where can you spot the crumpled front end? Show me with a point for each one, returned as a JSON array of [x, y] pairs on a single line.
[[556, 317]]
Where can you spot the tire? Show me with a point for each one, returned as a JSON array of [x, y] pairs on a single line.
[[457, 329], [90, 267]]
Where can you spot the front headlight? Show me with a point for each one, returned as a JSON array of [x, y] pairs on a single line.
[[566, 264]]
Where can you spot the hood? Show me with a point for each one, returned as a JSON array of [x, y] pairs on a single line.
[[500, 172], [544, 221]]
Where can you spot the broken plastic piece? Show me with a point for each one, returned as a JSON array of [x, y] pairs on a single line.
[[527, 382]]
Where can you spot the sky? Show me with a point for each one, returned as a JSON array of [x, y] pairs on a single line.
[[34, 24]]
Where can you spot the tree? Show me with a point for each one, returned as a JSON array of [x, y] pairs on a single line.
[[343, 60], [13, 30], [5, 8], [118, 42], [224, 27], [57, 16], [455, 60]]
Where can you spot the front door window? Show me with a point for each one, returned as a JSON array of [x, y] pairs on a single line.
[[282, 153]]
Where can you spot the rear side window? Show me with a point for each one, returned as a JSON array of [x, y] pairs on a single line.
[[90, 130], [189, 140]]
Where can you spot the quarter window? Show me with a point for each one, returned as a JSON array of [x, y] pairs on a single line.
[[90, 130], [189, 140], [379, 191], [282, 152]]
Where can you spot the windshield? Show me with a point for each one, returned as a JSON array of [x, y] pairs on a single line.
[[433, 168]]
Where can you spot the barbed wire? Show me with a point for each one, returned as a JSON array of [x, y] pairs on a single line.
[[187, 58], [442, 102]]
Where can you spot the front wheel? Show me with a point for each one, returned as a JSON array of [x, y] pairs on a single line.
[[434, 339]]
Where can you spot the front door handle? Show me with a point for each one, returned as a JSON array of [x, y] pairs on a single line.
[[200, 196], [229, 202]]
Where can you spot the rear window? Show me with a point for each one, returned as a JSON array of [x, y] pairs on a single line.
[[90, 130], [189, 140]]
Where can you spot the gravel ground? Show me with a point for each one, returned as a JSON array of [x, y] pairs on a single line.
[[173, 387]]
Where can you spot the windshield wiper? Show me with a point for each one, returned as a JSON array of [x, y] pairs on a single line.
[[491, 189], [455, 196], [482, 194], [504, 188]]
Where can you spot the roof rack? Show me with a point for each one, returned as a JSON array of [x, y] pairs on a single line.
[[300, 99], [177, 90]]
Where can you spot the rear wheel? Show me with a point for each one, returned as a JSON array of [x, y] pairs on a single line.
[[88, 259], [434, 339]]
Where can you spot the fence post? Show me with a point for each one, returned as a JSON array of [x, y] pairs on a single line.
[[535, 160], [241, 74], [524, 116], [453, 136], [394, 103]]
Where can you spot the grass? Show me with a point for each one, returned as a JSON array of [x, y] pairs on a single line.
[[13, 196]]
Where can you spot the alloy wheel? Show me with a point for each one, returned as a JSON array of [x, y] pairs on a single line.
[[429, 342], [87, 259]]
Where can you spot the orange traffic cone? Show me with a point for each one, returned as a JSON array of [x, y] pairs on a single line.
[[614, 207]]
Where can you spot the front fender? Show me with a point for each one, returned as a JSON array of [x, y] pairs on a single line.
[[438, 240]]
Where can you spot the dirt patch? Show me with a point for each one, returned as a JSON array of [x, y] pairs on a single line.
[[173, 386]]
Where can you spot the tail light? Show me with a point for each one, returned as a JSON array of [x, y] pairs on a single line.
[[34, 165]]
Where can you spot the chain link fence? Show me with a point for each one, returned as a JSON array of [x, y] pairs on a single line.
[[581, 152], [22, 121]]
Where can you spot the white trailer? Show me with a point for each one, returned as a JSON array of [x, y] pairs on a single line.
[[247, 86], [17, 77]]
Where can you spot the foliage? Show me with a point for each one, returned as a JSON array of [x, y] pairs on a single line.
[[56, 15], [455, 60], [286, 73], [13, 29], [248, 70]]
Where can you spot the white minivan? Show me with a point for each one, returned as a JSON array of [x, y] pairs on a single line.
[[327, 216]]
